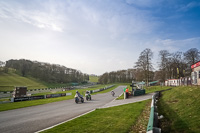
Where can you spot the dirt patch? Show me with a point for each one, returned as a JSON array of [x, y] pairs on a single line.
[[173, 101], [142, 121]]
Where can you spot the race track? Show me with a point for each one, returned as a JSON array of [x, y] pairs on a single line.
[[32, 119]]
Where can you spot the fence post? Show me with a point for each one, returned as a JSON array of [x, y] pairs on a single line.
[[12, 99], [124, 95]]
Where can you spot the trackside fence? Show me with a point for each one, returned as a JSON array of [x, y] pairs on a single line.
[[19, 99], [97, 90], [27, 98], [153, 119]]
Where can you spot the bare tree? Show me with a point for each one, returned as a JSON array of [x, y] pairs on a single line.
[[191, 57], [176, 65], [164, 64], [144, 63]]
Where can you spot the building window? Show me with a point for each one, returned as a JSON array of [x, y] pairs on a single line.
[[199, 74], [195, 76]]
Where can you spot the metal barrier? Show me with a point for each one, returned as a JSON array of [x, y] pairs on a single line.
[[27, 98], [93, 91], [153, 119]]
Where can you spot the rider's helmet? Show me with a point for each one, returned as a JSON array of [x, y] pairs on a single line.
[[76, 91]]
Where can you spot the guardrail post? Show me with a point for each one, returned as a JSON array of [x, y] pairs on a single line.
[[124, 95]]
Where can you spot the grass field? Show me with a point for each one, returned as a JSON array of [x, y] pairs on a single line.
[[117, 119], [10, 80], [152, 89], [181, 110], [93, 79], [15, 105]]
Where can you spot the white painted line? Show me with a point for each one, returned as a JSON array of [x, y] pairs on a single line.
[[65, 121], [120, 94], [116, 98]]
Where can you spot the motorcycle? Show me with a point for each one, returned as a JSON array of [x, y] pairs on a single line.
[[88, 96], [113, 93], [79, 98]]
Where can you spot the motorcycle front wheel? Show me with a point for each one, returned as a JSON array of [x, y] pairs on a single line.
[[82, 100], [76, 100]]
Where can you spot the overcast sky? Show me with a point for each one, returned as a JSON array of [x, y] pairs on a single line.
[[96, 36]]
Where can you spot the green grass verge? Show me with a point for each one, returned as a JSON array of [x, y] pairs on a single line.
[[120, 97], [110, 120], [181, 109], [15, 105]]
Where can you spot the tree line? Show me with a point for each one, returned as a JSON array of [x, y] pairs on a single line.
[[51, 73], [171, 65]]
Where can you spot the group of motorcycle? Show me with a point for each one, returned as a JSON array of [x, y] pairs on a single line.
[[79, 97]]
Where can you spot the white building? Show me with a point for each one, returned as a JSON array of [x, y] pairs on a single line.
[[195, 73]]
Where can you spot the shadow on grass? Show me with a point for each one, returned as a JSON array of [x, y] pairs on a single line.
[[171, 123]]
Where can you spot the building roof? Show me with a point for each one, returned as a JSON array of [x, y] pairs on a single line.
[[195, 65]]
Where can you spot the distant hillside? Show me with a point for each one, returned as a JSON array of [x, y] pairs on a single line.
[[9, 80], [46, 72], [93, 78]]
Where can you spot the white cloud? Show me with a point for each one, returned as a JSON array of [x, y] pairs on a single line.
[[176, 45], [38, 18], [93, 37], [189, 6], [143, 3]]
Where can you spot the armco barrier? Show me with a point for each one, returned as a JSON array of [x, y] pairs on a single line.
[[55, 95], [18, 99], [153, 119], [93, 91]]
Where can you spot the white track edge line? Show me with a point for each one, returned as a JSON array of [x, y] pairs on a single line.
[[65, 121]]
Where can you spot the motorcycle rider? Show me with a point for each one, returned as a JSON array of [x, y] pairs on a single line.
[[87, 92], [78, 94], [87, 95], [78, 97], [113, 93]]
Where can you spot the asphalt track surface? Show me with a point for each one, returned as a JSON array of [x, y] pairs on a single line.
[[35, 118]]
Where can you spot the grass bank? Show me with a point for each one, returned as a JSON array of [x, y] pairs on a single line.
[[152, 89], [93, 79], [117, 119], [9, 80], [181, 110]]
